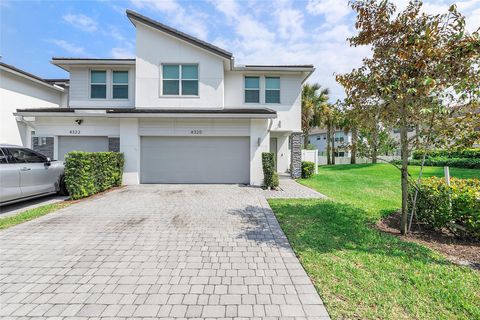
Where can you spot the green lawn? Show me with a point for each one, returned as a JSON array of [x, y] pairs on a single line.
[[30, 214], [362, 273]]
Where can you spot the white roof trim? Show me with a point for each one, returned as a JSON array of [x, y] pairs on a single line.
[[51, 86]]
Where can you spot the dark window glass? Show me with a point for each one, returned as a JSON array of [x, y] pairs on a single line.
[[190, 87], [252, 89], [120, 85], [120, 91], [3, 157], [98, 84], [272, 96], [171, 87], [25, 156]]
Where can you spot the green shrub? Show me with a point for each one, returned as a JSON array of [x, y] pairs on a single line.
[[443, 153], [87, 173], [455, 207], [270, 177], [471, 163], [308, 169]]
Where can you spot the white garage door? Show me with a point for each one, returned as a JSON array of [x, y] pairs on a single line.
[[89, 144], [195, 160]]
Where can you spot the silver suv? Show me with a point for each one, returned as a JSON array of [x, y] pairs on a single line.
[[26, 174]]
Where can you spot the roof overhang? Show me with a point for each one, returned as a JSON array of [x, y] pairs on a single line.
[[258, 113], [67, 63], [306, 70], [29, 76]]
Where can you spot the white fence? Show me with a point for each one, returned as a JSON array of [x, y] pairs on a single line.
[[322, 160], [312, 156]]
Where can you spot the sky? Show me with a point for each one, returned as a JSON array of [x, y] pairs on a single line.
[[256, 32]]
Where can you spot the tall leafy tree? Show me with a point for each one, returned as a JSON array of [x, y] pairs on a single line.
[[314, 100], [424, 70]]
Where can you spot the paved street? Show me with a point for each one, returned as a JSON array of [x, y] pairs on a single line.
[[156, 251]]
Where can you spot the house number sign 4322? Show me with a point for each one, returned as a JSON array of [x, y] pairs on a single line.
[[74, 131], [196, 131]]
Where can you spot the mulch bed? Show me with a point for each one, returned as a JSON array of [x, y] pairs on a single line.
[[462, 252]]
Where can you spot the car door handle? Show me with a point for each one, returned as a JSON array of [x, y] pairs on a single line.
[[25, 169]]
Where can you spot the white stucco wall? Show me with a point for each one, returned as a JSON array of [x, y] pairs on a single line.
[[259, 143], [155, 48], [80, 87], [17, 92], [289, 108]]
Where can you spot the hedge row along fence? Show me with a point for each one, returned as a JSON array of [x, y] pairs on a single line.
[[87, 173], [466, 158], [455, 207], [464, 153]]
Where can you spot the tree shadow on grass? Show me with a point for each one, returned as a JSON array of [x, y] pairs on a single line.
[[326, 227], [346, 167]]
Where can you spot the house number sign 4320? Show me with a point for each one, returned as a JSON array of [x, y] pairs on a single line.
[[74, 131], [196, 131]]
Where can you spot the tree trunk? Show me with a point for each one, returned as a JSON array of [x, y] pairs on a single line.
[[333, 147], [404, 155], [329, 132], [375, 144], [353, 150], [305, 139]]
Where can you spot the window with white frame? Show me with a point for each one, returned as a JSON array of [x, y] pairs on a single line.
[[252, 89], [120, 85], [272, 90], [180, 79], [98, 84]]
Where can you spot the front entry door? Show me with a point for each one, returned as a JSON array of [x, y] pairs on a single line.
[[273, 149]]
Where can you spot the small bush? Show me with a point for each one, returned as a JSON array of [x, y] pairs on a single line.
[[455, 207], [87, 173], [308, 169], [270, 177]]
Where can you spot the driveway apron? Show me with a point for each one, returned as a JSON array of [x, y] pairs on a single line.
[[156, 251]]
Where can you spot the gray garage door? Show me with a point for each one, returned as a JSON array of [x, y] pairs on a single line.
[[90, 144], [195, 160]]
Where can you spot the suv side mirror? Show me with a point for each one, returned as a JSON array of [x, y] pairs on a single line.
[[48, 162]]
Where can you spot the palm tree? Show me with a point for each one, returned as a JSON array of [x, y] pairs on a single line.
[[314, 99]]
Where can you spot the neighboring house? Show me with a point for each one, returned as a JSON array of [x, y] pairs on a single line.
[[318, 139], [20, 89], [181, 111]]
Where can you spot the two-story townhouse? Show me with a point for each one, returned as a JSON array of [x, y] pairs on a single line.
[[21, 89], [181, 111]]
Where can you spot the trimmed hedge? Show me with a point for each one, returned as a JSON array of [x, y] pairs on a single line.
[[472, 163], [87, 173], [455, 207], [473, 153], [270, 177], [308, 169]]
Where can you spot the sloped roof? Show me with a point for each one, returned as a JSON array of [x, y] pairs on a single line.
[[28, 75], [135, 16]]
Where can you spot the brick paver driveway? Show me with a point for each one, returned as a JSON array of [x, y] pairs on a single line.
[[159, 251]]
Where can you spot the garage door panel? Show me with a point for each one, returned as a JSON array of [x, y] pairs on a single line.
[[195, 160], [88, 144]]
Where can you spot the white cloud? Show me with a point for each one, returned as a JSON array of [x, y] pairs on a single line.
[[69, 47], [186, 19], [333, 11], [122, 53], [81, 21]]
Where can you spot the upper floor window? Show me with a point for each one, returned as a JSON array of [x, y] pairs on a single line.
[[98, 84], [120, 85], [252, 89], [180, 79], [272, 90]]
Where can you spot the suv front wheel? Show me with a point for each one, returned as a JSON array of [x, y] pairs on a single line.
[[62, 190]]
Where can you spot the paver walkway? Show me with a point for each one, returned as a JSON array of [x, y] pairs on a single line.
[[156, 251]]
